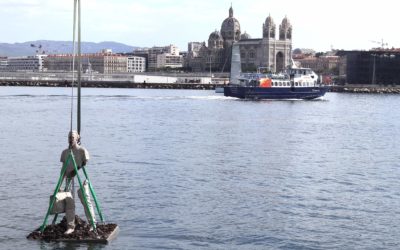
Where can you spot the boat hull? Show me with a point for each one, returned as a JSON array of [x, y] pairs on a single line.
[[243, 92]]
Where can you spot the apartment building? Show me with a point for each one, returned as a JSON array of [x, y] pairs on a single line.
[[23, 63], [136, 64], [101, 62]]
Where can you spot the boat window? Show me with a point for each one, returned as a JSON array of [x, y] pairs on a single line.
[[280, 83]]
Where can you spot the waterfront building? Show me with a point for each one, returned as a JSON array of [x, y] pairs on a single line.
[[24, 63], [375, 67], [161, 57], [194, 47], [136, 64], [166, 60], [101, 63], [301, 53], [3, 63], [268, 51], [320, 64], [142, 52], [193, 61]]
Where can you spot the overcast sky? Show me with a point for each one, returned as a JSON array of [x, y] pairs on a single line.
[[317, 24]]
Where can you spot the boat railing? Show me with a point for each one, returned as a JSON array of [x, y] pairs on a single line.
[[280, 76]]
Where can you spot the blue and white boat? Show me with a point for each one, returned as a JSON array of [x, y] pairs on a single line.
[[294, 83]]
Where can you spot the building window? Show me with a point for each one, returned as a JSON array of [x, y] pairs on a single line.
[[252, 55]]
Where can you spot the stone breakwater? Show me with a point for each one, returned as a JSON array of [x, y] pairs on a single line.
[[201, 86], [109, 84], [366, 89]]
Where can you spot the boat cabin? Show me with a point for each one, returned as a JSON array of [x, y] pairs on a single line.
[[296, 77]]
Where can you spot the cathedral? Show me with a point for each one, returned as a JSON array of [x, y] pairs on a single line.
[[268, 52]]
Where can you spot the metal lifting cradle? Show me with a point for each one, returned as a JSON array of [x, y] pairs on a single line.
[[59, 184], [99, 234]]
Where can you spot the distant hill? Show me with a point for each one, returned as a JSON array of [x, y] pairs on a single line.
[[59, 47]]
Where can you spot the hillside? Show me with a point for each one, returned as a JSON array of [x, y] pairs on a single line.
[[59, 47]]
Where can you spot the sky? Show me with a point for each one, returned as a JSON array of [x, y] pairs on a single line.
[[317, 24]]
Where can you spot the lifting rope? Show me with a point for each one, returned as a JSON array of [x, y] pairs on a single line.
[[73, 66], [76, 53]]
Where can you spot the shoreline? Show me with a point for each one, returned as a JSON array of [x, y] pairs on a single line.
[[363, 89]]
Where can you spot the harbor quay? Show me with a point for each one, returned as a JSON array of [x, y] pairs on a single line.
[[363, 89], [108, 84], [366, 89], [150, 80], [156, 80]]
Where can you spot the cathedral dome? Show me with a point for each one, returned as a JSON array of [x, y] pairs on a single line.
[[230, 28], [215, 36], [269, 21], [285, 22], [245, 36], [285, 29], [269, 28], [215, 40]]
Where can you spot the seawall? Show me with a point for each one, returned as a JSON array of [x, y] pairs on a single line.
[[108, 84], [365, 89]]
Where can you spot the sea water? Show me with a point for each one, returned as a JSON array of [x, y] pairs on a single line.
[[184, 169]]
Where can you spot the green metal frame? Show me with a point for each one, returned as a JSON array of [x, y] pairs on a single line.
[[59, 183]]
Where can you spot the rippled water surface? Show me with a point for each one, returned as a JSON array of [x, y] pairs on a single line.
[[183, 169]]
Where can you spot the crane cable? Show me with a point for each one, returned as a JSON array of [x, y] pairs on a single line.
[[73, 66]]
